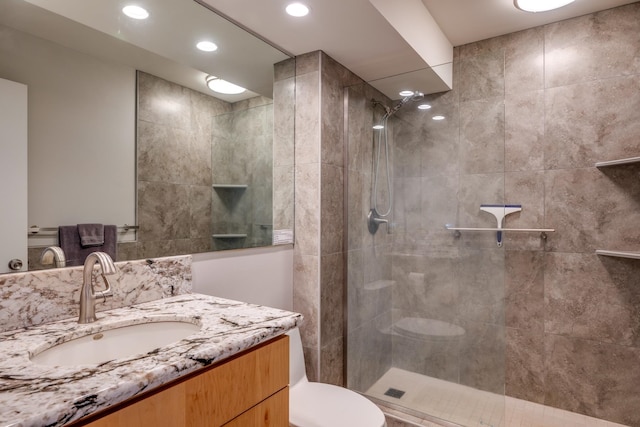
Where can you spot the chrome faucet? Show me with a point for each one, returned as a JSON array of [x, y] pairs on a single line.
[[53, 255], [87, 295]]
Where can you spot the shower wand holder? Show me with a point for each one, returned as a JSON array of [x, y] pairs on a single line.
[[374, 220], [500, 211]]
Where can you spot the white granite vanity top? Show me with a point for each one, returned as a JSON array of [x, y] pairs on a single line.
[[38, 395]]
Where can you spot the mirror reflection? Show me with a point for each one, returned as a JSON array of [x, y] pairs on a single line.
[[127, 136]]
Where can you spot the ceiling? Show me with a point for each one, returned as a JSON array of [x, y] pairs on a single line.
[[394, 45], [356, 34]]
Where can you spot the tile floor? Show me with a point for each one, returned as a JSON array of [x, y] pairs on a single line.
[[467, 406]]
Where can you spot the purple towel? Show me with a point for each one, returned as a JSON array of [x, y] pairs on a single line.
[[91, 234], [69, 241]]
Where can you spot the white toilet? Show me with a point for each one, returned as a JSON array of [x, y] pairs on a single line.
[[324, 405]]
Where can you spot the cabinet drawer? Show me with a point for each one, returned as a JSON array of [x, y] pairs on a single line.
[[272, 412]]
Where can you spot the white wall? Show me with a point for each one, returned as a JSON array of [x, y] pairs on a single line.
[[81, 113], [261, 276]]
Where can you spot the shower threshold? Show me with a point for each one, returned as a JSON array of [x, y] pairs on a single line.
[[459, 405]]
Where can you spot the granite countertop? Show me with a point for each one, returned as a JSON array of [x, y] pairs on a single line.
[[38, 395]]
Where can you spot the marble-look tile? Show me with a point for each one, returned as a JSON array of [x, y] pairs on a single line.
[[584, 300], [307, 119], [359, 127], [433, 359], [127, 251], [334, 70], [618, 208], [524, 61], [526, 189], [481, 280], [482, 140], [426, 285], [332, 118], [283, 122], [482, 356], [407, 141], [369, 353], [440, 146], [161, 153], [407, 208], [482, 76], [163, 248], [571, 126], [200, 211], [524, 131], [476, 190], [592, 378], [331, 362], [283, 200], [618, 117], [163, 102], [439, 201], [312, 363], [306, 292], [377, 262], [307, 215], [284, 70], [524, 369], [356, 224], [331, 297], [494, 45], [595, 46], [33, 298], [571, 209], [307, 63], [365, 300], [524, 289], [331, 209], [163, 211]]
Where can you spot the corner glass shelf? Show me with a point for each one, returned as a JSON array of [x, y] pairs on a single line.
[[230, 186], [229, 236], [618, 162], [619, 254]]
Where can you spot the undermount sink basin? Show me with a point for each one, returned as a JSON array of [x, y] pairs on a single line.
[[115, 343]]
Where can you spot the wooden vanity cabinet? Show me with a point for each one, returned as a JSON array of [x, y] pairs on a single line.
[[248, 390]]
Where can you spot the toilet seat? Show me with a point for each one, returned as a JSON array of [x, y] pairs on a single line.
[[323, 405]]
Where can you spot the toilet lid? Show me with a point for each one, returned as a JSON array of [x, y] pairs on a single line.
[[324, 405]]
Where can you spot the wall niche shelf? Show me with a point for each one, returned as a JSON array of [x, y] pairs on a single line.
[[619, 254], [229, 236], [628, 161], [231, 186]]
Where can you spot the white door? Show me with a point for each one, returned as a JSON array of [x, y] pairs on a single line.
[[13, 175]]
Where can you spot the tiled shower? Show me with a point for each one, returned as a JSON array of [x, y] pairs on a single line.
[[545, 319]]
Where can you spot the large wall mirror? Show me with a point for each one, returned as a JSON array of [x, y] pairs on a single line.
[[123, 130]]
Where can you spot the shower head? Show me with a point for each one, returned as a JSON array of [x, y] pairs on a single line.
[[415, 96]]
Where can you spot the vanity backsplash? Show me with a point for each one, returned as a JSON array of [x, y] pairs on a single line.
[[42, 296]]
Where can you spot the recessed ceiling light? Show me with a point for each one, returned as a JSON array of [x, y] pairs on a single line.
[[377, 127], [223, 86], [405, 93], [297, 9], [424, 107], [540, 5], [135, 12], [207, 46], [438, 118]]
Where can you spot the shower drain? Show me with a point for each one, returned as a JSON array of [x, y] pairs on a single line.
[[394, 392]]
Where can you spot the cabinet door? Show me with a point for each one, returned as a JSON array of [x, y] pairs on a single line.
[[13, 174], [273, 412]]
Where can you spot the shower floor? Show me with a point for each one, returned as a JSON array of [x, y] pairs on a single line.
[[471, 407]]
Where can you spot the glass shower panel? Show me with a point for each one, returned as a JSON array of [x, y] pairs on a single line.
[[425, 309]]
